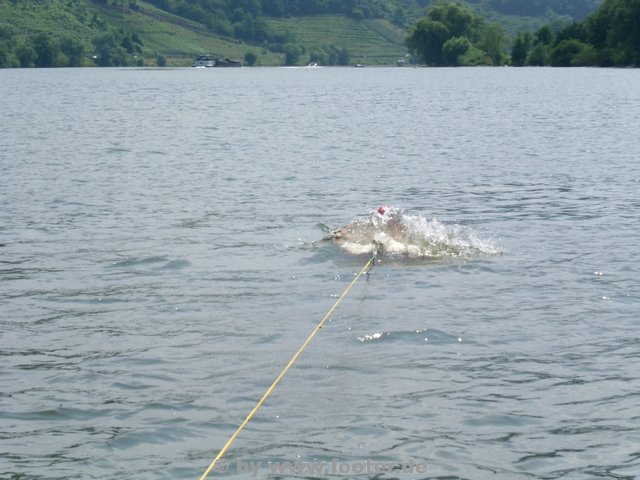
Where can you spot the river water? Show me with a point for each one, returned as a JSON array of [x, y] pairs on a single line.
[[161, 260]]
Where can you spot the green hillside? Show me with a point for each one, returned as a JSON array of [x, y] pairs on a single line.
[[450, 34], [576, 9], [178, 38], [371, 41], [159, 32], [530, 15], [45, 33]]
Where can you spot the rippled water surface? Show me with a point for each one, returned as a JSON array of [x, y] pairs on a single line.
[[161, 260]]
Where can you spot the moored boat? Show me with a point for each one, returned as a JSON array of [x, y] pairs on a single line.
[[210, 61], [204, 61], [227, 63]]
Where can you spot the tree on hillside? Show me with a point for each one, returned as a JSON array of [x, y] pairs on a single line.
[[453, 50], [45, 51], [72, 50], [451, 34], [577, 9], [441, 24], [292, 54], [115, 48], [564, 53], [460, 21], [544, 35], [620, 20], [493, 42], [25, 54], [520, 49], [250, 59], [344, 57], [540, 53], [5, 55], [427, 37], [608, 37]]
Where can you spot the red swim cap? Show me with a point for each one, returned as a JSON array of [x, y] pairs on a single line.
[[382, 209]]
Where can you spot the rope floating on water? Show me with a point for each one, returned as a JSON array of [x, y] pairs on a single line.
[[284, 371]]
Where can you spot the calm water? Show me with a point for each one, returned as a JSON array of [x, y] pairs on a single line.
[[159, 265]]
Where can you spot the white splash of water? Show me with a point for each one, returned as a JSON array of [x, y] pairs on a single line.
[[397, 233]]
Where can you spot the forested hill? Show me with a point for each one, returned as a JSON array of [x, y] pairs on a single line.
[[577, 9], [397, 10], [246, 18], [46, 33]]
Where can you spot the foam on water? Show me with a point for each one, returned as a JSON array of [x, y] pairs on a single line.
[[397, 233]]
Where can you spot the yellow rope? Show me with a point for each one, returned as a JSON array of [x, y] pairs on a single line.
[[277, 380]]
